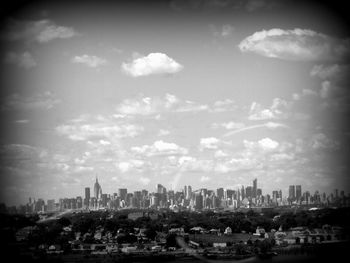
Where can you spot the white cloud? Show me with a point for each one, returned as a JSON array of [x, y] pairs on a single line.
[[204, 178], [105, 129], [163, 132], [90, 61], [278, 110], [156, 105], [269, 125], [23, 60], [41, 101], [225, 31], [220, 154], [160, 148], [153, 63], [209, 143], [41, 31], [265, 144], [144, 180], [297, 44]]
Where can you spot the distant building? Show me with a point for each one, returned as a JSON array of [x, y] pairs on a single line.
[[97, 190], [122, 193], [87, 197], [291, 196], [255, 187], [298, 192]]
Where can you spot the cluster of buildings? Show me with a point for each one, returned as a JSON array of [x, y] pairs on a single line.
[[187, 199]]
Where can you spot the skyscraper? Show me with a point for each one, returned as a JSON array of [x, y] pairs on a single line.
[[298, 192], [97, 190], [255, 187], [189, 192], [122, 193], [291, 196], [220, 193], [87, 196]]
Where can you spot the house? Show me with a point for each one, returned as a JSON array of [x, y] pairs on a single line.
[[179, 231], [214, 231], [228, 231], [197, 230]]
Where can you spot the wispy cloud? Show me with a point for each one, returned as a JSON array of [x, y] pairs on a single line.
[[42, 101], [22, 121], [90, 61], [269, 125], [100, 128], [41, 31], [23, 60], [296, 44], [152, 64]]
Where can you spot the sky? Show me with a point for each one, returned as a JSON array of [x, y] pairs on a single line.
[[203, 93]]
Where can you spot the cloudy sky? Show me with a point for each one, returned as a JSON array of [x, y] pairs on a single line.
[[203, 93]]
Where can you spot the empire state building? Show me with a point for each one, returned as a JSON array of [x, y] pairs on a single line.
[[97, 190]]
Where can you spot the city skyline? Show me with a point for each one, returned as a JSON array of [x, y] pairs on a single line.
[[234, 198], [206, 93]]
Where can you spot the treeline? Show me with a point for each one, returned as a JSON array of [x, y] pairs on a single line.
[[117, 222]]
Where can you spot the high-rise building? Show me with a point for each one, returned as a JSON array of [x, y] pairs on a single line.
[[97, 190], [258, 192], [189, 192], [298, 192], [220, 193], [51, 205], [87, 196], [248, 192], [161, 189], [122, 193], [255, 187], [291, 196]]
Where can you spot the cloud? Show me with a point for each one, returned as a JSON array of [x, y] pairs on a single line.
[[163, 132], [41, 101], [41, 31], [321, 141], [224, 106], [278, 110], [130, 165], [204, 178], [269, 125], [156, 105], [265, 144], [209, 143], [160, 148], [152, 64], [22, 121], [296, 44], [95, 128], [90, 61], [144, 180], [224, 31], [23, 60]]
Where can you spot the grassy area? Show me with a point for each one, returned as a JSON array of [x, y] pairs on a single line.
[[210, 238]]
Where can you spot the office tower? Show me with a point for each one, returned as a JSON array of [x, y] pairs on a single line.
[[291, 196], [79, 201], [160, 189], [220, 193], [298, 192], [87, 196], [122, 193], [280, 194], [255, 187], [198, 201], [258, 192], [242, 192], [185, 191], [248, 192], [97, 190], [189, 192], [51, 205]]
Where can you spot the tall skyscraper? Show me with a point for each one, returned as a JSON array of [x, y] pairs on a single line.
[[291, 196], [122, 193], [189, 192], [220, 193], [87, 196], [298, 192], [248, 191], [97, 190], [255, 187]]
